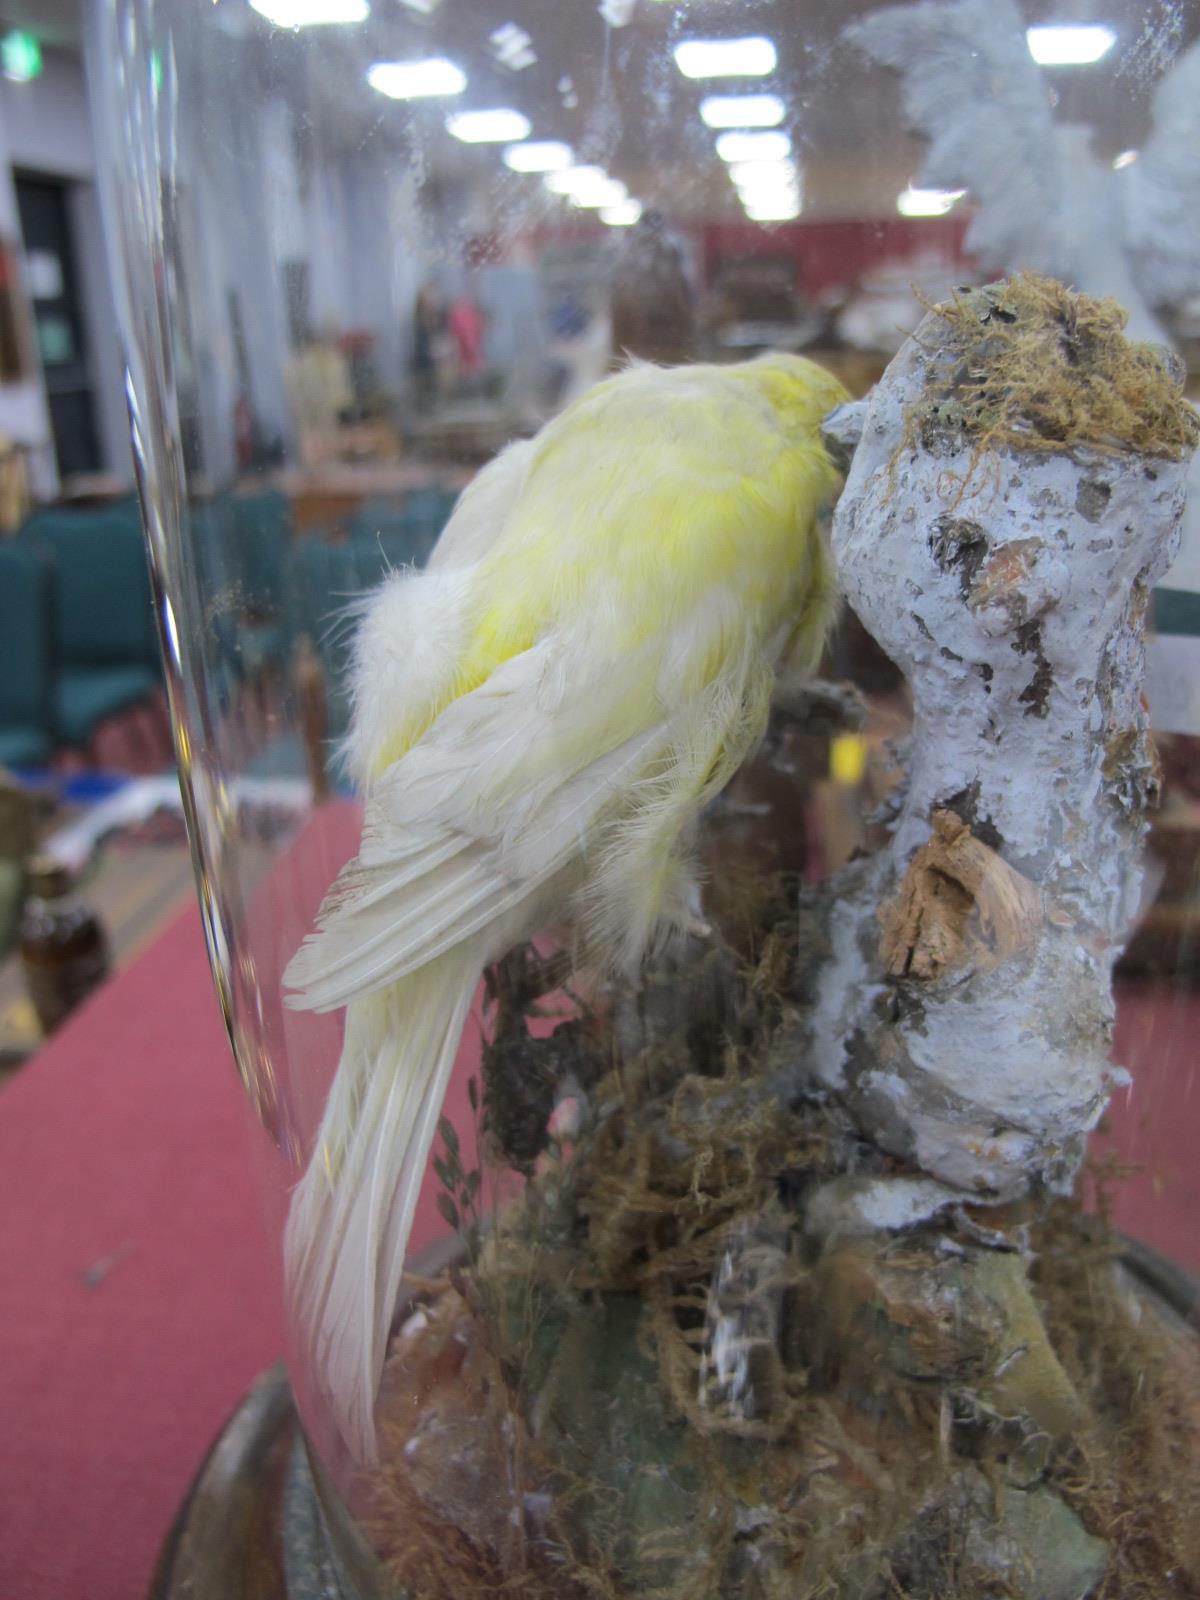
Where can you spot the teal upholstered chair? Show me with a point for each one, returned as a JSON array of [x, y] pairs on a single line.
[[326, 580], [211, 537], [432, 504], [259, 554], [401, 533], [26, 657], [105, 648]]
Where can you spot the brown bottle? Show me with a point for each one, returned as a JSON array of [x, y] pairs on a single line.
[[63, 948]]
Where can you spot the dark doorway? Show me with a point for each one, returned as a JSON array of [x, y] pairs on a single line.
[[44, 205]]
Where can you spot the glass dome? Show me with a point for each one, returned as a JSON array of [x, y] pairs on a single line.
[[669, 530]]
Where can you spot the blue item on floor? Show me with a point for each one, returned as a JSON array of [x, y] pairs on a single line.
[[86, 788]]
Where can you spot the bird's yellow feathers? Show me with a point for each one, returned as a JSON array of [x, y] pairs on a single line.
[[661, 492]]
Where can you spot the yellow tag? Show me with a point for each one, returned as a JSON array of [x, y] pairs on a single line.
[[847, 759]]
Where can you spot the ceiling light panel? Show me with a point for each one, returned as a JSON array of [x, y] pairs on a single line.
[[1070, 44], [417, 80], [742, 110], [605, 193], [913, 202], [499, 126], [311, 13], [512, 47], [766, 180], [573, 178], [752, 57], [764, 146], [785, 209], [538, 155], [623, 215]]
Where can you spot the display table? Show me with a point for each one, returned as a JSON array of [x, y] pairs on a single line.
[[138, 1299]]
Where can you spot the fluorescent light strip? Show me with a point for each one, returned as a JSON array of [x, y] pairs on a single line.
[[927, 202], [539, 155], [589, 187], [742, 110], [311, 13], [623, 215], [1070, 44], [759, 176], [737, 146], [566, 182], [512, 47], [783, 210], [501, 126], [417, 80], [769, 190], [751, 198], [606, 193], [726, 58]]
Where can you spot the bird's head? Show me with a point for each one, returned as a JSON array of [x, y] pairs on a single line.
[[799, 391]]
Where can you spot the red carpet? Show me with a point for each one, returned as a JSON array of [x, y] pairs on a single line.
[[139, 1297], [1153, 1128]]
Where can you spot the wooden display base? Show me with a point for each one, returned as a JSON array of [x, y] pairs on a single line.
[[252, 1527]]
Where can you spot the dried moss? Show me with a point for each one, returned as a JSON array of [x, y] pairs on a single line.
[[1028, 364], [1131, 1470], [567, 1421]]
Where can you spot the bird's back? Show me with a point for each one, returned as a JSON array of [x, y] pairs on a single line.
[[662, 524], [660, 494]]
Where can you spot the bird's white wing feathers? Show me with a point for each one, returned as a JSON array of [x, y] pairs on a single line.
[[971, 86], [466, 827], [407, 648], [535, 778], [411, 629], [1162, 189]]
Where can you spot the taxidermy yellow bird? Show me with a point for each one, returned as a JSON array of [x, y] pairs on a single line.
[[539, 718]]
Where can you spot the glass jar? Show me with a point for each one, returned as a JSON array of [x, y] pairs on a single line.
[[726, 1062]]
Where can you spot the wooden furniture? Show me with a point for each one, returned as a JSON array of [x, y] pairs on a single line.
[[325, 498]]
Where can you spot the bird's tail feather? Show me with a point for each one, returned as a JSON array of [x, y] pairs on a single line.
[[351, 1214]]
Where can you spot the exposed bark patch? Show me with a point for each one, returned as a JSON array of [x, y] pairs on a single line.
[[1092, 497], [1035, 696], [960, 905], [961, 546], [1132, 771], [965, 805], [1003, 581]]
